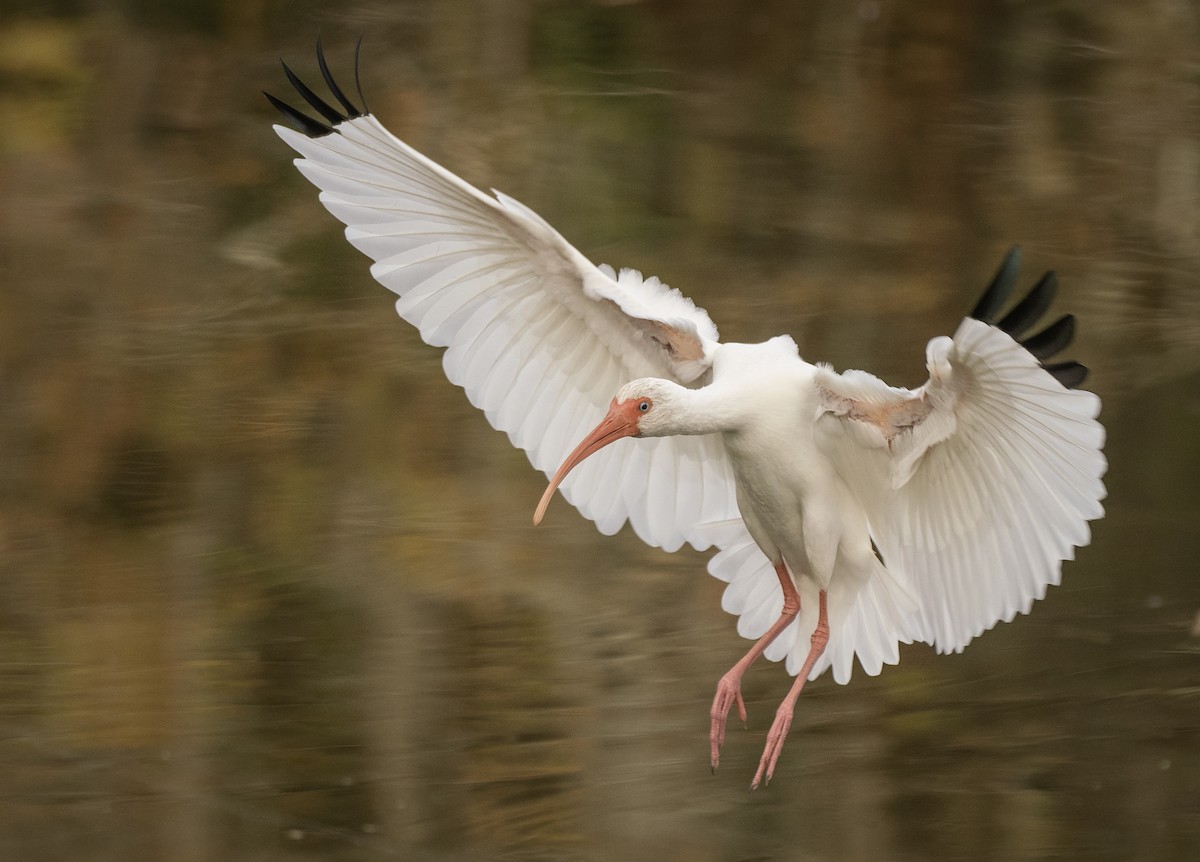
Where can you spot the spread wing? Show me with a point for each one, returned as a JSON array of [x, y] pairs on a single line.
[[981, 482], [538, 336]]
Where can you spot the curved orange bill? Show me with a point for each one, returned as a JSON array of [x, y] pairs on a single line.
[[621, 421]]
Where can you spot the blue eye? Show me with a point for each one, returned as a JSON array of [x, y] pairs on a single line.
[[644, 406]]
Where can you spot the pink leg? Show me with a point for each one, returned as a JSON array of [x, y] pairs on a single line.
[[783, 716], [729, 689]]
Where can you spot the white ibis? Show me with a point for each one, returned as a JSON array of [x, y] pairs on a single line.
[[973, 487]]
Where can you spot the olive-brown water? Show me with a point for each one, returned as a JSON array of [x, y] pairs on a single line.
[[268, 586]]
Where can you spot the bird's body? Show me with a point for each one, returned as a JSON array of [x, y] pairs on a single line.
[[794, 505], [973, 487]]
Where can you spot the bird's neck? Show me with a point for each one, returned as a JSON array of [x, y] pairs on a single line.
[[700, 411]]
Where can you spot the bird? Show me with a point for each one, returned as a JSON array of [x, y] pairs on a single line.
[[849, 516]]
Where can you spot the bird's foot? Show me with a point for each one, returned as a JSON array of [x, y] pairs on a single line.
[[775, 737], [729, 691]]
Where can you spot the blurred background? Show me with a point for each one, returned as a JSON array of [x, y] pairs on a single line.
[[268, 585]]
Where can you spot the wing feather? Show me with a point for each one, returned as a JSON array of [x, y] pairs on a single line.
[[979, 500], [538, 337]]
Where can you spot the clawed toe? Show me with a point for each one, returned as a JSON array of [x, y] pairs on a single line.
[[774, 747], [728, 693]]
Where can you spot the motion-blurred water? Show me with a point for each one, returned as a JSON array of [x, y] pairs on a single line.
[[268, 587]]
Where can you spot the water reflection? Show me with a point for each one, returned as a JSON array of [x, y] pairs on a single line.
[[268, 586]]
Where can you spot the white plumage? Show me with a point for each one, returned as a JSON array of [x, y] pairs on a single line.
[[973, 487]]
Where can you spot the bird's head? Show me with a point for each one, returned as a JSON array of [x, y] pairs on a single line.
[[653, 405], [641, 408]]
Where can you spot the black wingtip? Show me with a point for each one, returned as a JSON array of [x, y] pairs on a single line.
[[1000, 288], [1045, 344], [1053, 339], [1069, 374], [301, 121], [351, 109], [331, 114], [311, 126], [357, 81], [1029, 310]]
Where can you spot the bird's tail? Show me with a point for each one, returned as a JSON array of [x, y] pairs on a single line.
[[870, 613]]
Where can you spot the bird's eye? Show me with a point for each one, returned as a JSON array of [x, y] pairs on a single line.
[[643, 406]]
